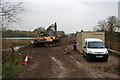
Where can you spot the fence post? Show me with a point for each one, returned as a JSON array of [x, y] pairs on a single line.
[[13, 54]]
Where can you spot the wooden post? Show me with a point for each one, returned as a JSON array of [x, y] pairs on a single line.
[[13, 54]]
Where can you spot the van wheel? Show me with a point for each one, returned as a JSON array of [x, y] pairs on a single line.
[[83, 55], [105, 60], [87, 58]]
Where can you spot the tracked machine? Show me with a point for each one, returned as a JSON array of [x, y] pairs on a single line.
[[49, 38]]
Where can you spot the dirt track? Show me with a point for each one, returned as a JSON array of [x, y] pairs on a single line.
[[63, 62]]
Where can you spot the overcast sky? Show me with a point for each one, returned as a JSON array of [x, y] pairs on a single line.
[[70, 15]]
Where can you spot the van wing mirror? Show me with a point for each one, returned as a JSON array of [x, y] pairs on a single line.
[[84, 46]]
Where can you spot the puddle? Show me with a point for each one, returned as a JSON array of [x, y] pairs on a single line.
[[17, 47], [77, 62]]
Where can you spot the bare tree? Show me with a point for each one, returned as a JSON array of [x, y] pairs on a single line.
[[102, 25], [96, 29], [118, 26], [112, 23], [9, 12]]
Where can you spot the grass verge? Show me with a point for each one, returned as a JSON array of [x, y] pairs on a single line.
[[14, 43], [11, 66], [12, 62], [10, 71], [117, 55]]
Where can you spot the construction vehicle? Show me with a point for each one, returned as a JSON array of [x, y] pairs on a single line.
[[48, 38]]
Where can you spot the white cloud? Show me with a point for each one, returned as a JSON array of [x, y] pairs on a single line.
[[71, 15]]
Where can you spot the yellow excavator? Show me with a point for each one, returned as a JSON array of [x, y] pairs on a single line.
[[50, 37]]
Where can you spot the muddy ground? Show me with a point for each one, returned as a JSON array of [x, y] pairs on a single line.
[[64, 62]]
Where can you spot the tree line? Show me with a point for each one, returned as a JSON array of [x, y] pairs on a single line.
[[111, 24], [111, 27], [17, 33], [7, 33]]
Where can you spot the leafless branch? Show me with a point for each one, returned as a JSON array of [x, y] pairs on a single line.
[[9, 12]]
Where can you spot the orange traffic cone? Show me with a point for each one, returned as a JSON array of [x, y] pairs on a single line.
[[26, 59]]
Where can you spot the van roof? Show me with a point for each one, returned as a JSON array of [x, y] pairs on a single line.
[[93, 39]]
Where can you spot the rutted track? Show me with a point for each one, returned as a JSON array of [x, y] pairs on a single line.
[[60, 62]]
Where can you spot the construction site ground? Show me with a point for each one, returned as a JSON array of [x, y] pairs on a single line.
[[64, 62]]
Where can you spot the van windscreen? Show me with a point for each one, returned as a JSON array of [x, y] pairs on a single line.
[[95, 44]]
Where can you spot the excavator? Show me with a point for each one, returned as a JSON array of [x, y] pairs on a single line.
[[48, 38]]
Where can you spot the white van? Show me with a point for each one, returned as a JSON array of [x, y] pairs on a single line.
[[94, 48]]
